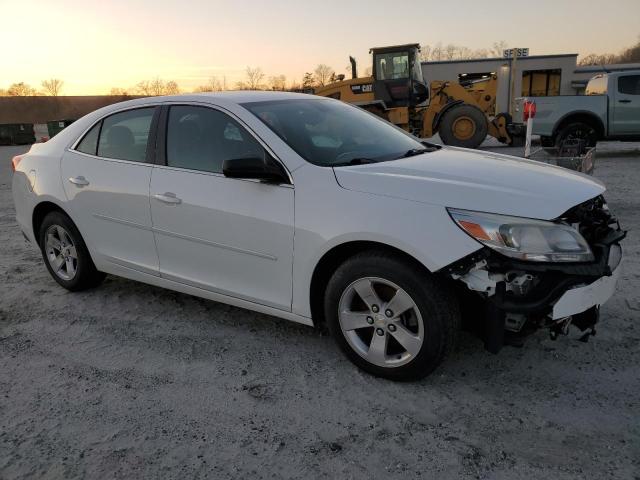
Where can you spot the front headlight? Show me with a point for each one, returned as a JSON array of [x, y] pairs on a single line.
[[524, 238]]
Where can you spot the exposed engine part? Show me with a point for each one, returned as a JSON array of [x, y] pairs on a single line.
[[519, 282], [514, 322], [560, 328]]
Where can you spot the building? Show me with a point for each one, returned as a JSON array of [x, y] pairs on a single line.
[[536, 75]]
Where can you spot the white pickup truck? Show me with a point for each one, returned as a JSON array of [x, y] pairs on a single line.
[[609, 110]]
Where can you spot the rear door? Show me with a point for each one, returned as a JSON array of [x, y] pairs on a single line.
[[106, 179], [229, 236], [626, 106]]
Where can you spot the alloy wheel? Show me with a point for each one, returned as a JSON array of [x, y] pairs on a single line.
[[381, 322], [61, 252]]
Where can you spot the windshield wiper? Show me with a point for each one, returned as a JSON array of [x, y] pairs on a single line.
[[415, 151], [355, 161]]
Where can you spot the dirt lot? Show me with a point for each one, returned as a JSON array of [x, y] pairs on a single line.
[[132, 381]]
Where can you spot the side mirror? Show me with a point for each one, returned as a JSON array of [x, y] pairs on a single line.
[[255, 168]]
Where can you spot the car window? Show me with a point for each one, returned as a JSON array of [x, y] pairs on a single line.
[[629, 84], [89, 144], [201, 138], [331, 133], [597, 85], [125, 135]]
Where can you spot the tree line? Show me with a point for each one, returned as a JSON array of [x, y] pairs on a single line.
[[255, 79], [628, 55]]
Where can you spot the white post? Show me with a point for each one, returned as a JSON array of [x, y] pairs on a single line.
[[527, 143]]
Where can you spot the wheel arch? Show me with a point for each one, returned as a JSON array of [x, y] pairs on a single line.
[[582, 116], [40, 211], [334, 257]]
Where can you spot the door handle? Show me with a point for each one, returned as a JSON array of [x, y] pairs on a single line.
[[626, 100], [168, 197], [79, 181]]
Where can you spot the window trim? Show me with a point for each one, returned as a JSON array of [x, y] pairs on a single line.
[[161, 139], [151, 139]]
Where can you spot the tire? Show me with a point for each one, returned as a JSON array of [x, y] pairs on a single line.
[[61, 242], [434, 314], [463, 126], [578, 131], [548, 144]]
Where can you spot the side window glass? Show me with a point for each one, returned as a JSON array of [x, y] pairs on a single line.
[[89, 144], [124, 135], [201, 138], [629, 84]]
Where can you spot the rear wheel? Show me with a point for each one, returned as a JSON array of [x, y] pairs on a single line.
[[463, 126], [577, 131], [390, 318], [66, 255]]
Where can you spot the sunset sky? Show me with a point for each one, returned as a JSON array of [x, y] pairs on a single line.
[[96, 45]]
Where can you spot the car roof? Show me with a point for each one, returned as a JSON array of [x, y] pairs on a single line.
[[220, 98]]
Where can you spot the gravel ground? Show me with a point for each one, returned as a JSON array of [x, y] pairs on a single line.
[[132, 381]]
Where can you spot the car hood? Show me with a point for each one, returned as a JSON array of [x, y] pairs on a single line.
[[475, 180]]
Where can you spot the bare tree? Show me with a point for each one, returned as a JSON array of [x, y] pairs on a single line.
[[322, 74], [52, 87], [212, 85], [157, 86], [254, 78], [498, 48], [20, 89], [119, 91], [628, 55], [278, 82], [3, 92]]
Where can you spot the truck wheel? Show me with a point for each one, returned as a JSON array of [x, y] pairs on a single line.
[[390, 318], [577, 131], [548, 144], [463, 126]]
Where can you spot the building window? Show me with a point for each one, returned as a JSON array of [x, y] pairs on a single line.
[[540, 83]]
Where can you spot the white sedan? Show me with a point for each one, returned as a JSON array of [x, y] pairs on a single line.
[[316, 211]]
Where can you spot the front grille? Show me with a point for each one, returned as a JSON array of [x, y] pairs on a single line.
[[593, 219]]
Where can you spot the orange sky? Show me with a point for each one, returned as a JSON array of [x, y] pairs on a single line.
[[93, 46]]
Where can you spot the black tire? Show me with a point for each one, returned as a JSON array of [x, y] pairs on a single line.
[[548, 144], [470, 114], [577, 131], [436, 303], [86, 275]]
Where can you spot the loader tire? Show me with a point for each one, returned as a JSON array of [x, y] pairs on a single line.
[[463, 126]]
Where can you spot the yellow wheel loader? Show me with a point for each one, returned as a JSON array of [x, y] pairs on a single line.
[[463, 114]]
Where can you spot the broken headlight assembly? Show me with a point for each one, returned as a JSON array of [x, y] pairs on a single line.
[[524, 238]]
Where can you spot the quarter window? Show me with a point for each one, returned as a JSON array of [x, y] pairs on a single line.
[[201, 138], [89, 144], [125, 135], [629, 84]]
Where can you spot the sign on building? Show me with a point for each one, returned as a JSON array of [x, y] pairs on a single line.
[[519, 52]]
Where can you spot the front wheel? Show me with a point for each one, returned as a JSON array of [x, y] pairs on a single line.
[[389, 317], [463, 126]]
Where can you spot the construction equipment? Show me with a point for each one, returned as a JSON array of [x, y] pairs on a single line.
[[462, 113]]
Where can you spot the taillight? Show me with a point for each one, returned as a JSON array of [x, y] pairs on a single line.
[[15, 161]]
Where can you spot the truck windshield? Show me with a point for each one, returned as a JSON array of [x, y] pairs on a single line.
[[330, 133], [392, 66]]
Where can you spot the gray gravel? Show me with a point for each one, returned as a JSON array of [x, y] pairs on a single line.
[[132, 381]]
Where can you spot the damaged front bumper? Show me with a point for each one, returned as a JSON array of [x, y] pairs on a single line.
[[521, 296]]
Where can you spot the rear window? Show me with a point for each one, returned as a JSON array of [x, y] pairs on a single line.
[[597, 85], [89, 144], [125, 135], [629, 84]]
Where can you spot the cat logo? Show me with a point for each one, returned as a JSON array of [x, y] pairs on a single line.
[[362, 88]]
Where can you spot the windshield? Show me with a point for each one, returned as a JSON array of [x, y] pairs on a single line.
[[331, 133]]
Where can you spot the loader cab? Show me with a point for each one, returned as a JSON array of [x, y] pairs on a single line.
[[397, 76]]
